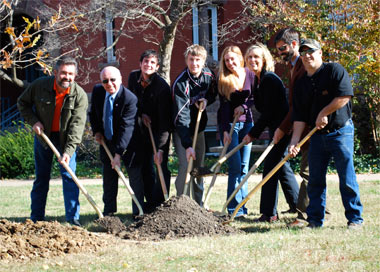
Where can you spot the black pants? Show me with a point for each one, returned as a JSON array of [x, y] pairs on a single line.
[[152, 186], [269, 192], [110, 182]]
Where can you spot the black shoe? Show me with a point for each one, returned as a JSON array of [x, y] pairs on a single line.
[[312, 225], [109, 214], [265, 218], [290, 211], [75, 222]]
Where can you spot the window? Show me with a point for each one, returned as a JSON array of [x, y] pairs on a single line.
[[110, 25], [205, 29]]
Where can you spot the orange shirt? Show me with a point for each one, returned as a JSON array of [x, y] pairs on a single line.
[[59, 97]]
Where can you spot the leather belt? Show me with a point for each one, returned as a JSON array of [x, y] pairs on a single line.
[[330, 130]]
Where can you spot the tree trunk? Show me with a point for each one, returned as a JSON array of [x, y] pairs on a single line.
[[166, 49]]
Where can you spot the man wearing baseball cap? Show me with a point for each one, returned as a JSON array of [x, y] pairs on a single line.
[[322, 99]]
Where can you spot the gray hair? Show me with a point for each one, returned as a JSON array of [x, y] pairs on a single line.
[[66, 60]]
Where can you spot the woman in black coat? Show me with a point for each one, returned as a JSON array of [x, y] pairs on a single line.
[[270, 101]]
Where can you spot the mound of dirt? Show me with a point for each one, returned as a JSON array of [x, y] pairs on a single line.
[[176, 218], [25, 241]]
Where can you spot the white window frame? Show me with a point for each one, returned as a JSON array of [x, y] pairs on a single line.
[[109, 37], [214, 29]]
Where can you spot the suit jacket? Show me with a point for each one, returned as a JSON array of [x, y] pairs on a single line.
[[125, 137]]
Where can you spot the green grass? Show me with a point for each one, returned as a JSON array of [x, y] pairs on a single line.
[[262, 247]]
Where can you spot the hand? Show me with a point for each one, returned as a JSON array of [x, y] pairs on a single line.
[[238, 111], [293, 149], [321, 121], [190, 153], [116, 161], [278, 134], [146, 120], [65, 158], [247, 139], [99, 137], [158, 157], [204, 100], [38, 128], [226, 138]]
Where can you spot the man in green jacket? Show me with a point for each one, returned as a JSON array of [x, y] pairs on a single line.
[[56, 106]]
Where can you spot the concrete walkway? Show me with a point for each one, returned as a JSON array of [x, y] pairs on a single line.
[[221, 178]]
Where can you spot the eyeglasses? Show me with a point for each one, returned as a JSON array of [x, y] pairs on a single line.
[[282, 48], [308, 51], [105, 81]]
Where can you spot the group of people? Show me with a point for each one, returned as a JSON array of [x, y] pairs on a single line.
[[121, 117]]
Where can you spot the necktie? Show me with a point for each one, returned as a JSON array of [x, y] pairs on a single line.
[[108, 118]]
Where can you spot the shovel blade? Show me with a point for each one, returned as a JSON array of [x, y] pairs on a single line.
[[198, 172]]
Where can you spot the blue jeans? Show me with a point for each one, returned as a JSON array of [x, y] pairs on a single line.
[[338, 145], [43, 163], [238, 167]]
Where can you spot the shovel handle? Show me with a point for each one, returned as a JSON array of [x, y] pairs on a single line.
[[270, 174], [122, 177], [217, 169], [190, 163], [228, 155], [253, 168], [72, 174], [159, 168]]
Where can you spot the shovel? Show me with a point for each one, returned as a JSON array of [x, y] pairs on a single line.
[[217, 169], [121, 175], [253, 168], [268, 176], [204, 171], [76, 180], [190, 163], [160, 174]]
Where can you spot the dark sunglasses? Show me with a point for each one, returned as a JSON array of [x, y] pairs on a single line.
[[308, 51], [107, 80], [282, 48]]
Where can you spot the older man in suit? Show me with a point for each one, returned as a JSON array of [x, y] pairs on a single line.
[[113, 118]]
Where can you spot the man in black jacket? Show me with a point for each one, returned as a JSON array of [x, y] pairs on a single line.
[[116, 127], [154, 109]]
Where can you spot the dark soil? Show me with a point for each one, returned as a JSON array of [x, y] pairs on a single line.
[[176, 218]]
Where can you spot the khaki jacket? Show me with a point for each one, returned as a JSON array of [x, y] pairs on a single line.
[[37, 103]]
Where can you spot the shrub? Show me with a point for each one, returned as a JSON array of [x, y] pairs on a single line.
[[16, 153]]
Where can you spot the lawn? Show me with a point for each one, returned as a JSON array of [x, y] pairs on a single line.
[[262, 246]]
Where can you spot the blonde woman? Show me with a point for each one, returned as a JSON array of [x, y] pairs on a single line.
[[235, 86], [271, 102]]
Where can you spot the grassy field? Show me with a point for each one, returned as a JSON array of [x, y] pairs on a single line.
[[262, 247]]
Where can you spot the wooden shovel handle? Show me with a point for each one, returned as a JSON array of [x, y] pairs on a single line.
[[270, 174], [190, 163], [217, 169], [123, 178], [159, 168], [253, 168], [74, 177]]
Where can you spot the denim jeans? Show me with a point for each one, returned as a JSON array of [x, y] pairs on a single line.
[[338, 145], [238, 165], [43, 162]]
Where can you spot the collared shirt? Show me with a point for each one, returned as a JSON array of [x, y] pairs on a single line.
[[313, 93], [294, 62], [59, 98]]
